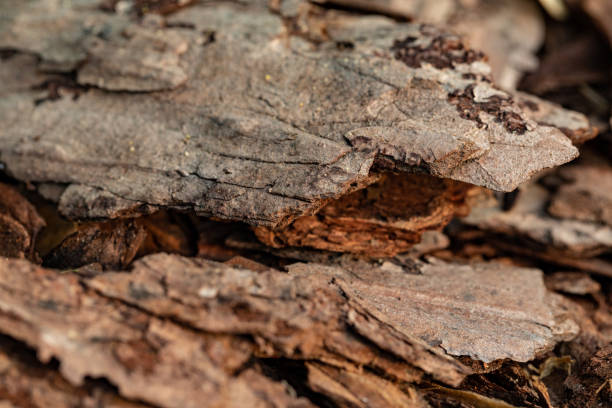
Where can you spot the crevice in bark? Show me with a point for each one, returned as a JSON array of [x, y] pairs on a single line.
[[295, 374], [383, 219]]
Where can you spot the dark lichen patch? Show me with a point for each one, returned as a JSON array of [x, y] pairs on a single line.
[[497, 106], [532, 106], [444, 51], [58, 85], [5, 54], [345, 45]]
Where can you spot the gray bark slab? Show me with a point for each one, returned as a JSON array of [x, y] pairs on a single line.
[[264, 123], [447, 305]]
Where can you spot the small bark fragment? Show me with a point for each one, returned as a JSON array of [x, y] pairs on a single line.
[[115, 244], [527, 220], [575, 125], [386, 218], [19, 224], [586, 194], [573, 283]]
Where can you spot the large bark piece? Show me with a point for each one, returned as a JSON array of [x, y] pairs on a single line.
[[147, 358], [177, 331], [268, 124]]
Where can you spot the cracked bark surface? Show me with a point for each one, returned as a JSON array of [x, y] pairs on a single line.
[[262, 109], [510, 32], [528, 219], [328, 148], [175, 331]]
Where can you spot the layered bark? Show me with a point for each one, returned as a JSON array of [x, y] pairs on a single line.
[[267, 124], [321, 131], [386, 218], [176, 331]]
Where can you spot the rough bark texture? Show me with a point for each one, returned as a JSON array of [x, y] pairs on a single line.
[[528, 219], [268, 122], [508, 31], [147, 358], [586, 195], [136, 329], [19, 224], [384, 219], [342, 142]]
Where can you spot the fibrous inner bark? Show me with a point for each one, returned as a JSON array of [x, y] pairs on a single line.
[[386, 218]]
